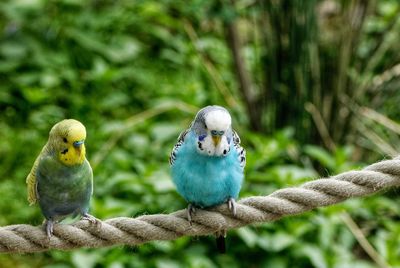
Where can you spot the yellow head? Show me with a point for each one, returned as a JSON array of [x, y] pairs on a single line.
[[67, 139]]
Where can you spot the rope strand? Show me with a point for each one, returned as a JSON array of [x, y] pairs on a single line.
[[23, 238]]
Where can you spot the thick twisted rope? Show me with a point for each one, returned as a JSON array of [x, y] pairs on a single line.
[[133, 231]]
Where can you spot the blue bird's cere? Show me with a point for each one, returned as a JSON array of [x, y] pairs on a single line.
[[207, 162]]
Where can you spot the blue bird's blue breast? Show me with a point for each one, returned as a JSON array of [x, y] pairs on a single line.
[[206, 181]]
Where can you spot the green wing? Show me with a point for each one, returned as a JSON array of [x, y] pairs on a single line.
[[91, 176], [31, 180], [31, 183]]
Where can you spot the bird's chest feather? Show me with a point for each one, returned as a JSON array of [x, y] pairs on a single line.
[[205, 146], [206, 180], [63, 183]]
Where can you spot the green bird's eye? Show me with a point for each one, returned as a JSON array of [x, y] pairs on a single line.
[[65, 140]]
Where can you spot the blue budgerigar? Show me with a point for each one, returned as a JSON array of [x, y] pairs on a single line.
[[207, 162]]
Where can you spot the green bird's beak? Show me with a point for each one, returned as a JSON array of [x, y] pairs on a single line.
[[78, 146]]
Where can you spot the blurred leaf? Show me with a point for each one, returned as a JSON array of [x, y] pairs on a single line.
[[315, 255], [165, 263], [248, 236], [320, 155], [82, 260], [276, 242]]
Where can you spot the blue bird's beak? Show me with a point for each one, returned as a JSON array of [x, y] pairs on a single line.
[[216, 136], [216, 140], [78, 144]]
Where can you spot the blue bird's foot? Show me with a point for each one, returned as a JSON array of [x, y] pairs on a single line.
[[190, 211], [232, 205], [48, 225], [91, 219]]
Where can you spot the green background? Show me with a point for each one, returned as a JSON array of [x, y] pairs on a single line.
[[323, 86]]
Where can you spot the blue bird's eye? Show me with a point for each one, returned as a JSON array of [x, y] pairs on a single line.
[[217, 133]]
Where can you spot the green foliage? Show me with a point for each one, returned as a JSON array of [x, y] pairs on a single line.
[[120, 67]]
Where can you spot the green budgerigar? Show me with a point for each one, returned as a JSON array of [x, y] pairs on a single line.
[[61, 179]]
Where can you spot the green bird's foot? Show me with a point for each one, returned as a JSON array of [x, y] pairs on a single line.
[[48, 225], [91, 219], [190, 211], [232, 205]]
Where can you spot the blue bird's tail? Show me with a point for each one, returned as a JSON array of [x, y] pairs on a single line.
[[221, 244]]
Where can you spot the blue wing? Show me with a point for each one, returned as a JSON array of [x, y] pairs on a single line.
[[181, 140], [239, 149]]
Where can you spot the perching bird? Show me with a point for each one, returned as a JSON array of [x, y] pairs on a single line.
[[207, 163], [61, 179]]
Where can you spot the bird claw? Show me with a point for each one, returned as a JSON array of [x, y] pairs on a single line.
[[49, 226], [91, 219], [190, 211], [232, 205]]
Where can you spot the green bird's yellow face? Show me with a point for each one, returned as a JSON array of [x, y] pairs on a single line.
[[67, 138]]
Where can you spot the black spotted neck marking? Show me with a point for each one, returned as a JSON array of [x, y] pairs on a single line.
[[200, 145]]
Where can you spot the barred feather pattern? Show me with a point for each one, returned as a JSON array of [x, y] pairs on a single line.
[[181, 139], [239, 149]]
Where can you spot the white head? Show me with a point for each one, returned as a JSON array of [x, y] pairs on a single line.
[[213, 127], [219, 120]]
